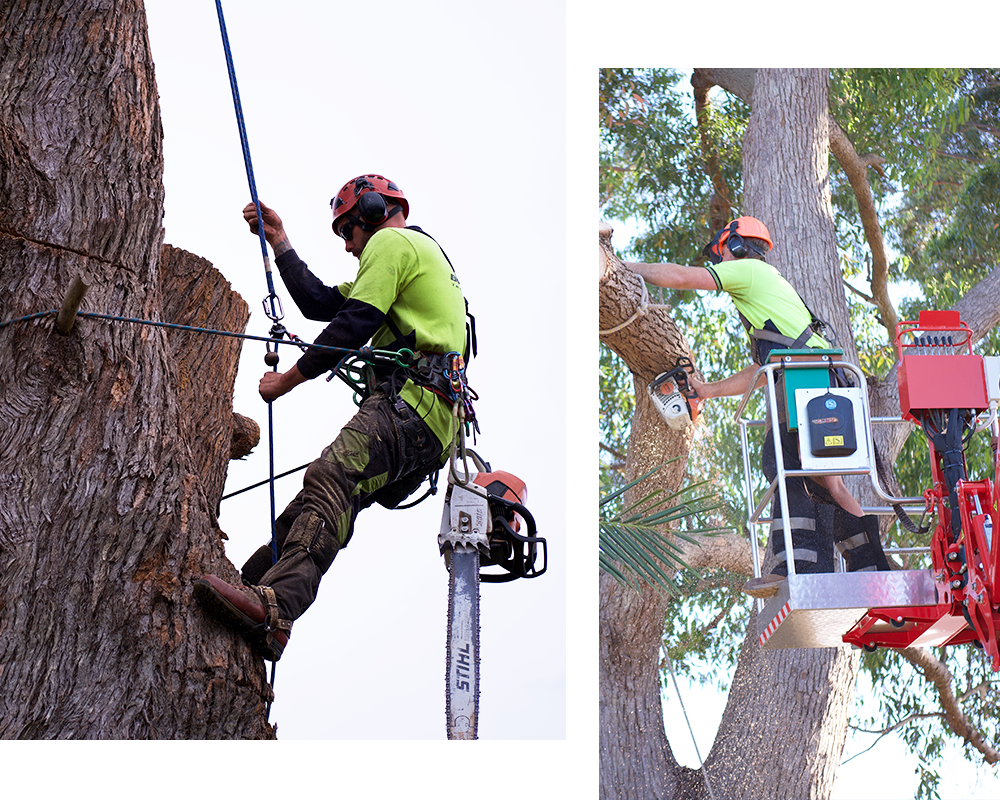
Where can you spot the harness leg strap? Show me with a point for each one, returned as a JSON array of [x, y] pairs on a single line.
[[858, 540], [272, 622]]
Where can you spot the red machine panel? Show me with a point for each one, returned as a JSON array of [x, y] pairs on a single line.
[[933, 381], [937, 368]]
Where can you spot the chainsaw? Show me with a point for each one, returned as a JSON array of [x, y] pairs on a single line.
[[673, 397], [484, 524]]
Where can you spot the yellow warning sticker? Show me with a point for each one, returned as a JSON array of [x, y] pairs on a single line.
[[833, 441]]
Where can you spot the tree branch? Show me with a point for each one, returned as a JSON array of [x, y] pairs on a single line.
[[856, 168], [979, 308], [619, 463], [938, 673], [859, 293], [720, 206]]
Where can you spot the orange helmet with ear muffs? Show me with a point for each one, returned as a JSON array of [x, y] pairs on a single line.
[[735, 233], [366, 197]]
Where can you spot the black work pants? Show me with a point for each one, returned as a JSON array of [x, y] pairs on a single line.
[[809, 514]]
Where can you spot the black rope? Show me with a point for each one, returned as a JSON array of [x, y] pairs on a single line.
[[400, 358], [263, 482]]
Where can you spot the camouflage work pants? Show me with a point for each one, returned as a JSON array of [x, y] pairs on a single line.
[[381, 455]]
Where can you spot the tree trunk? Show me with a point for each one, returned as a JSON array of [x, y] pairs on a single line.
[[636, 760], [105, 519], [785, 724], [790, 707]]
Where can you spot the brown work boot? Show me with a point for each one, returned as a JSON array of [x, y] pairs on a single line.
[[251, 610], [765, 586]]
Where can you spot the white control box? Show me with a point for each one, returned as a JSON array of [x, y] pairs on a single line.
[[992, 365]]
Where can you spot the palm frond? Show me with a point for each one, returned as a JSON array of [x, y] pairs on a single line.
[[635, 548]]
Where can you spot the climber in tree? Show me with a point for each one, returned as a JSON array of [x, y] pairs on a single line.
[[405, 295]]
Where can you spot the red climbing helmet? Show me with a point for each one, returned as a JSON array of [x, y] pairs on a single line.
[[735, 232], [366, 197]]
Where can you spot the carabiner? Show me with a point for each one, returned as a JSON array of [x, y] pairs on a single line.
[[273, 308], [408, 361]]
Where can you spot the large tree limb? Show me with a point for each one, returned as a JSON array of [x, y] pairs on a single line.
[[856, 168], [937, 672], [979, 307], [721, 204], [643, 334]]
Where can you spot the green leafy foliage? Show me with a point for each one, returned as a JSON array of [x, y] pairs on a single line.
[[905, 704], [904, 115], [616, 407], [707, 614]]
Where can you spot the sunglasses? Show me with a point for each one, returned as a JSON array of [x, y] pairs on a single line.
[[346, 231]]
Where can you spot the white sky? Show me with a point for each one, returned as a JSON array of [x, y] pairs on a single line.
[[464, 107]]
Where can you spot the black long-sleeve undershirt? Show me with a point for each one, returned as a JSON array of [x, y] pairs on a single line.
[[353, 323]]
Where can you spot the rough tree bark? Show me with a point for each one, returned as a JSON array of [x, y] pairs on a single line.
[[790, 706], [105, 516], [631, 623], [195, 294]]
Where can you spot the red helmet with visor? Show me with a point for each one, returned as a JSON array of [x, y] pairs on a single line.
[[366, 196]]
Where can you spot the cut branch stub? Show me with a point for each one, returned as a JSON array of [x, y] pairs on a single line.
[[71, 304], [643, 335]]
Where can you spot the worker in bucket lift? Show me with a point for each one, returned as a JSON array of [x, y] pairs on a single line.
[[405, 295], [774, 316]]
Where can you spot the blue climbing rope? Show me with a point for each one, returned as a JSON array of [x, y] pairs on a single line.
[[272, 306]]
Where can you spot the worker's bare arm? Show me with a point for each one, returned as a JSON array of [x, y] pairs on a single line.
[[675, 276], [733, 385]]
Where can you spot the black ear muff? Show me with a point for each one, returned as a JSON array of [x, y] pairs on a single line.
[[735, 242], [372, 208]]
